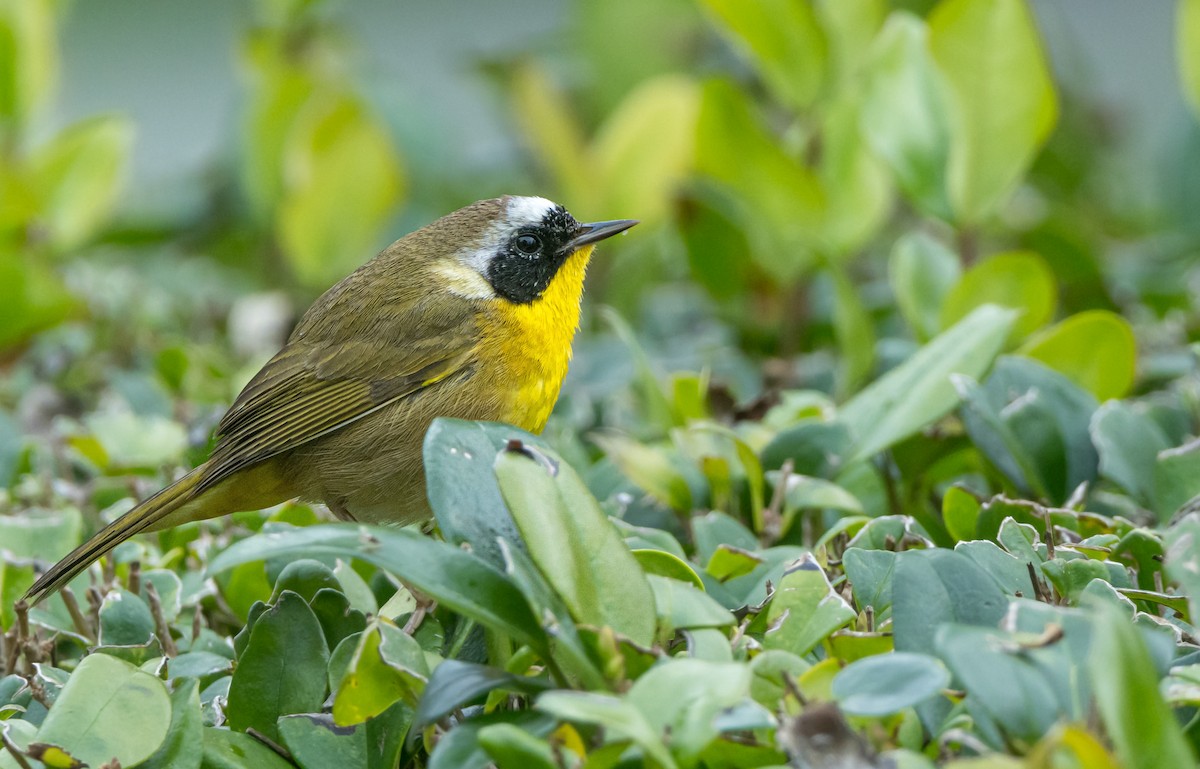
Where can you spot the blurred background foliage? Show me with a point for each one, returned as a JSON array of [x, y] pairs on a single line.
[[851, 210]]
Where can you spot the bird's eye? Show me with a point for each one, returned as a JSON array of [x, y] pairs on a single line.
[[529, 244]]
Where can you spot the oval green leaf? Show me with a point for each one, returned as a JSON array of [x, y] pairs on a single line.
[[1019, 280], [92, 716], [919, 392], [574, 545], [888, 683], [1095, 349], [1002, 100]]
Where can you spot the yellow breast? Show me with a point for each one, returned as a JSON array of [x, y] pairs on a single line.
[[529, 345]]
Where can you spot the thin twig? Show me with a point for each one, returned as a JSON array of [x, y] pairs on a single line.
[[37, 691], [13, 652], [161, 628], [81, 624], [109, 570], [135, 577], [773, 514], [270, 743]]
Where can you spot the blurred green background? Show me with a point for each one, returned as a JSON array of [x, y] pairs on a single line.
[[824, 186]]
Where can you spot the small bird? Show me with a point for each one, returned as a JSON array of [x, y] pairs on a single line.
[[471, 316]]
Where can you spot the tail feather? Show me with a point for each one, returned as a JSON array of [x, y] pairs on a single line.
[[139, 519]]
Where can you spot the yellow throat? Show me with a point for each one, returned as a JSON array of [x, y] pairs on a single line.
[[532, 342]]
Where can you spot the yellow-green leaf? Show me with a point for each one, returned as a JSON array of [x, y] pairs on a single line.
[[28, 57], [1187, 41], [779, 202], [343, 179], [553, 133], [1003, 103], [1020, 280], [645, 148], [78, 175], [785, 39], [1095, 349]]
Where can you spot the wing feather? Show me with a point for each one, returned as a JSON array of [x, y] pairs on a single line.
[[307, 391]]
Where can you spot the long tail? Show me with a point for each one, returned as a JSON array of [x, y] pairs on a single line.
[[139, 519]]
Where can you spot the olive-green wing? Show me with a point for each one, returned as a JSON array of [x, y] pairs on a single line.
[[306, 392]]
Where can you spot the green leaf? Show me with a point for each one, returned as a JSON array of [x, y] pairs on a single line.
[[343, 179], [804, 609], [785, 40], [805, 493], [1183, 559], [125, 619], [1002, 100], [960, 512], [666, 564], [456, 579], [1007, 571], [682, 698], [714, 529], [1033, 424], [1004, 680], [282, 670], [78, 177], [1128, 441], [456, 684], [41, 534], [575, 546], [92, 715], [130, 440], [1187, 43], [224, 749], [204, 666], [870, 573], [1095, 349], [305, 577], [680, 605], [888, 683], [649, 468], [933, 587], [922, 272], [854, 331], [513, 748], [388, 666], [28, 58], [620, 719], [316, 742], [645, 148], [728, 562], [857, 186], [1019, 280], [779, 203], [273, 102], [1176, 479], [15, 579], [1142, 727], [460, 748], [768, 669], [32, 297], [461, 483], [904, 114], [182, 747], [918, 392]]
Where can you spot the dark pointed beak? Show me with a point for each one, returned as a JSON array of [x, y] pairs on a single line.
[[597, 231]]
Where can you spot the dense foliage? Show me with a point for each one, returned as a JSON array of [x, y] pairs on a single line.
[[884, 450]]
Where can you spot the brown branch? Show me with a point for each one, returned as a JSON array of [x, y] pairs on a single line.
[[161, 628]]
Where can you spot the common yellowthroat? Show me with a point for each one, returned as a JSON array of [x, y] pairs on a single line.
[[471, 316]]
